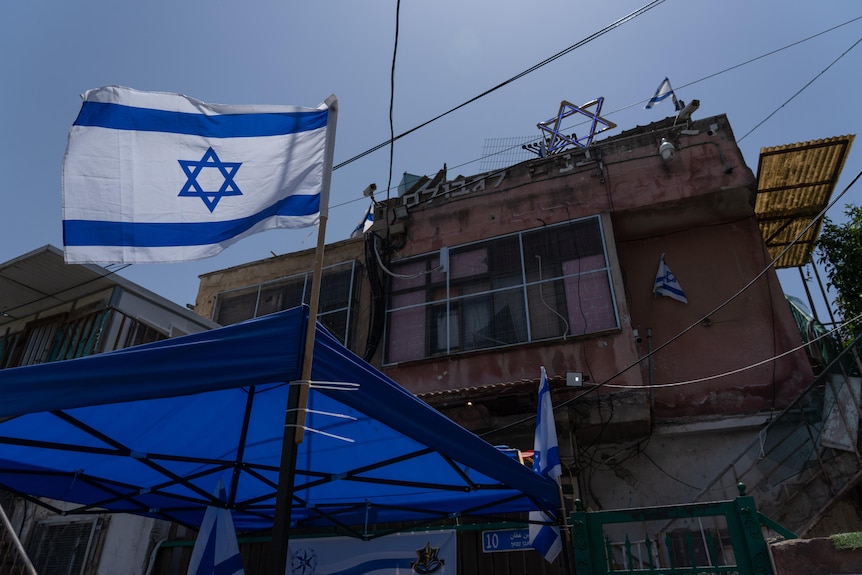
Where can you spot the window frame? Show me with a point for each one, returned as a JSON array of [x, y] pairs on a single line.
[[259, 290], [445, 297]]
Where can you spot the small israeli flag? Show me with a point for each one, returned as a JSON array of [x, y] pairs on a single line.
[[216, 550], [545, 538], [661, 94], [666, 283], [365, 224]]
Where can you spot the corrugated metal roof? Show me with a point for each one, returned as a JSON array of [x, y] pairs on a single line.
[[794, 183], [40, 280]]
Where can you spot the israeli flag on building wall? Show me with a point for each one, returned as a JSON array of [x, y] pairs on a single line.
[[666, 283], [663, 92], [546, 461], [216, 549], [160, 177]]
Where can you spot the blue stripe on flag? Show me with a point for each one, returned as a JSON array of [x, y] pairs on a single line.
[[151, 235], [119, 117]]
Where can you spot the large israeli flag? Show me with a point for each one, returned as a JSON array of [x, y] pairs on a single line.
[[216, 550], [160, 177], [545, 538]]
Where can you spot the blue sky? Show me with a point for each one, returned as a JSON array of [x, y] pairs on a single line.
[[278, 52]]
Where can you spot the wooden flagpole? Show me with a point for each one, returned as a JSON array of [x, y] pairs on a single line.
[[297, 397]]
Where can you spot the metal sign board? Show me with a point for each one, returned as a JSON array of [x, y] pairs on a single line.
[[505, 540]]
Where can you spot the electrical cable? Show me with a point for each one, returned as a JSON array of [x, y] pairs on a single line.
[[640, 11], [681, 87], [800, 90], [703, 79], [392, 101], [832, 331]]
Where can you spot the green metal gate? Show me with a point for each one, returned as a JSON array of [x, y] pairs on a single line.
[[732, 542]]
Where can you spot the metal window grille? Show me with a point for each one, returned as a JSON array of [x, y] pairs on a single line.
[[61, 547]]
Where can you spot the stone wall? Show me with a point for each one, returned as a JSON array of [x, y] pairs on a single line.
[[815, 557]]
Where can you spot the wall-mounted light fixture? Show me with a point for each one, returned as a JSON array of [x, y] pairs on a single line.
[[666, 150], [574, 379]]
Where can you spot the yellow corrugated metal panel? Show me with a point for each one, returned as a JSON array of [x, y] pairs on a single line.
[[794, 183]]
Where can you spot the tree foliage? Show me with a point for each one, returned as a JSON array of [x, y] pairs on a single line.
[[839, 250]]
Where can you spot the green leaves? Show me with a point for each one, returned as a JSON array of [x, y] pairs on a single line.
[[839, 250]]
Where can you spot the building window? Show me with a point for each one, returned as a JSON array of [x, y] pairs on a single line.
[[61, 547], [334, 309], [39, 339], [553, 282], [68, 336], [127, 331]]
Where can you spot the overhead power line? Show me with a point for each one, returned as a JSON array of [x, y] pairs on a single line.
[[802, 89], [558, 55], [682, 86]]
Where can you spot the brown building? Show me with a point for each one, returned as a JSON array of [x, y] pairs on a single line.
[[467, 285]]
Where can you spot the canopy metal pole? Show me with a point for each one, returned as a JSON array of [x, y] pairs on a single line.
[[297, 397]]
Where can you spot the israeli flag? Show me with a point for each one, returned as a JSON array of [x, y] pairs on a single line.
[[216, 550], [365, 224], [666, 283], [153, 177], [663, 92], [545, 538]]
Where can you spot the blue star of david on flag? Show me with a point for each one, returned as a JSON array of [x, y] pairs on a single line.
[[193, 188], [556, 141]]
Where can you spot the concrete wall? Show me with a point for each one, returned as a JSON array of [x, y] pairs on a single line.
[[814, 557], [128, 545], [674, 465]]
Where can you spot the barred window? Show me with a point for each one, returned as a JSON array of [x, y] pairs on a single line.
[[62, 547], [542, 284], [334, 309]]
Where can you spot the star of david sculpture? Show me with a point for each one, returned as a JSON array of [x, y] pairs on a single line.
[[555, 141]]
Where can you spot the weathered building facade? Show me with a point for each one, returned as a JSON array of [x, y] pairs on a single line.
[[465, 286]]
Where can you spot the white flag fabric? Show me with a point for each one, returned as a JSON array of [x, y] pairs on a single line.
[[663, 92], [365, 224], [153, 177], [216, 550], [545, 538], [666, 283]]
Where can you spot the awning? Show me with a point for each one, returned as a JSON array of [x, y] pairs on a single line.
[[794, 183], [149, 430]]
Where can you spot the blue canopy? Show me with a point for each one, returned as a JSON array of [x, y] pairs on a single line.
[[149, 430]]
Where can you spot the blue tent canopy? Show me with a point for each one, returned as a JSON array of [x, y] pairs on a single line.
[[149, 430]]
